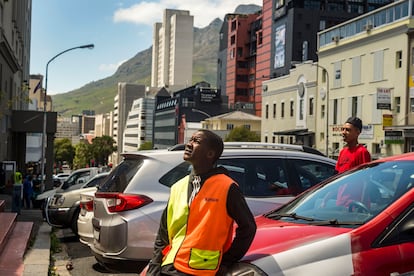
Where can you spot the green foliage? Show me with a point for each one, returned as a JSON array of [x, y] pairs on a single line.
[[83, 155], [64, 151], [101, 148], [242, 134], [145, 146]]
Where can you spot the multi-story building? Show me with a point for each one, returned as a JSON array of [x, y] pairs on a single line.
[[192, 104], [172, 51], [15, 25], [103, 124], [138, 127], [370, 63], [126, 95]]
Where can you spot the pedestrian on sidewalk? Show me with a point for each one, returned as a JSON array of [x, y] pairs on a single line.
[[27, 191], [17, 195]]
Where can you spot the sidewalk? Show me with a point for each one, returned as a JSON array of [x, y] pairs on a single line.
[[37, 257]]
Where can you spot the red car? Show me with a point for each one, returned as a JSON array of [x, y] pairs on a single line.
[[357, 223]]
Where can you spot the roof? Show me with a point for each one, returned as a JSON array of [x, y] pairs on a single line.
[[236, 115]]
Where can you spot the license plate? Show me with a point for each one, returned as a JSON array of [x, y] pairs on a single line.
[[95, 235]]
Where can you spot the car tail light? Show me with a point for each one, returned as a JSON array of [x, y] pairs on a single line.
[[87, 205], [117, 202]]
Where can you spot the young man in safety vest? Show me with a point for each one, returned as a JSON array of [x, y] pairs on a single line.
[[196, 230]]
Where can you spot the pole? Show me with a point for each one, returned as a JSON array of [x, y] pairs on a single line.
[[327, 107], [87, 46]]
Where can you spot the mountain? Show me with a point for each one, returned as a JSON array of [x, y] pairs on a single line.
[[99, 95]]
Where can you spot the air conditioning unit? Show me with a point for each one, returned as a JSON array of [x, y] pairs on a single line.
[[368, 27], [335, 39]]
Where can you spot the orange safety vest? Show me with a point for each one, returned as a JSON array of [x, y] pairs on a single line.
[[199, 235]]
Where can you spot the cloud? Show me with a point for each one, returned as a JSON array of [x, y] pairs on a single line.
[[204, 11], [110, 67]]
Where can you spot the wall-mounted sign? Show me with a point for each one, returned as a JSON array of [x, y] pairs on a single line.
[[384, 98], [393, 137]]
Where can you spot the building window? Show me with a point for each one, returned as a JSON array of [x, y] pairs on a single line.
[[322, 111], [378, 65], [397, 104], [412, 104], [265, 139], [267, 111], [233, 25], [398, 59], [247, 127], [282, 140], [282, 110], [301, 109], [338, 74], [259, 38], [335, 111], [232, 53], [273, 139], [354, 106], [232, 40], [356, 70], [230, 126], [311, 106], [239, 51], [292, 108], [274, 110]]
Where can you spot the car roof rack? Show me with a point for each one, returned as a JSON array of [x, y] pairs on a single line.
[[259, 145]]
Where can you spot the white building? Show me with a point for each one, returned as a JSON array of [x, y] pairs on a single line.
[[138, 127], [172, 50]]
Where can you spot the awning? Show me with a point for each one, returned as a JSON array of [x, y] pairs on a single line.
[[296, 132]]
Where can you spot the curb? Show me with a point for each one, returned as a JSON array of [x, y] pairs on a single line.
[[37, 258]]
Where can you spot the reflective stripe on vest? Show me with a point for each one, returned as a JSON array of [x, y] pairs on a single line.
[[197, 245]]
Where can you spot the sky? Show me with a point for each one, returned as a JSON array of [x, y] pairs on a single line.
[[118, 29]]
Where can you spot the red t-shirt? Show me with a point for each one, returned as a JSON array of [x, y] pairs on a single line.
[[351, 157]]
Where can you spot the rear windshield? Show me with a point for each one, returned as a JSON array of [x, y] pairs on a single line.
[[118, 179]]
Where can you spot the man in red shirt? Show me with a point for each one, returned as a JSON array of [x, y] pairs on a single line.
[[353, 154]]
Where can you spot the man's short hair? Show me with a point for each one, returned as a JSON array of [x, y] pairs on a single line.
[[355, 121], [214, 142]]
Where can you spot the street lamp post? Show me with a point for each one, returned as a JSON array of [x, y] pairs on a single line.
[[87, 46], [327, 107]]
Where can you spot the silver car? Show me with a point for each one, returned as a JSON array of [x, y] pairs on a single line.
[[128, 206]]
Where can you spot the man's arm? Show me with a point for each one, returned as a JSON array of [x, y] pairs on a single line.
[[246, 226], [161, 241]]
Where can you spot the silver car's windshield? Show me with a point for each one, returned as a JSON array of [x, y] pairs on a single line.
[[351, 199]]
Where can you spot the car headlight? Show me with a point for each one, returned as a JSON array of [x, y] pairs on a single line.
[[244, 269], [60, 201]]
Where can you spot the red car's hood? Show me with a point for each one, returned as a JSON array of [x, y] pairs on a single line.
[[275, 236]]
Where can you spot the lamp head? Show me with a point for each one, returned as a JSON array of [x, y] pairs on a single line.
[[88, 46]]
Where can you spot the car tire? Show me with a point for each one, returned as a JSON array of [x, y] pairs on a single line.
[[74, 223]]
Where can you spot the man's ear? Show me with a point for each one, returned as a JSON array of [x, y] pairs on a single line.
[[211, 154]]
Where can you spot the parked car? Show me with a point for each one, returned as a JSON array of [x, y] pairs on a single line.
[[62, 209], [357, 223], [128, 206], [85, 228], [60, 178], [79, 176]]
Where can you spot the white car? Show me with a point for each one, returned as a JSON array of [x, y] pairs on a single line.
[[85, 228]]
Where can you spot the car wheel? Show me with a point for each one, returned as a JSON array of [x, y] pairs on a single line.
[[74, 223]]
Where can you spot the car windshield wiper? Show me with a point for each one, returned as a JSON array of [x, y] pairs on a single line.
[[289, 215], [336, 222]]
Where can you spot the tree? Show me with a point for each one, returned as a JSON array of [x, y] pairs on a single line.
[[145, 146], [242, 134], [64, 151], [101, 148], [83, 155]]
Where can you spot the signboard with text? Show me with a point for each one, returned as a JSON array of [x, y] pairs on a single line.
[[393, 137], [384, 98]]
